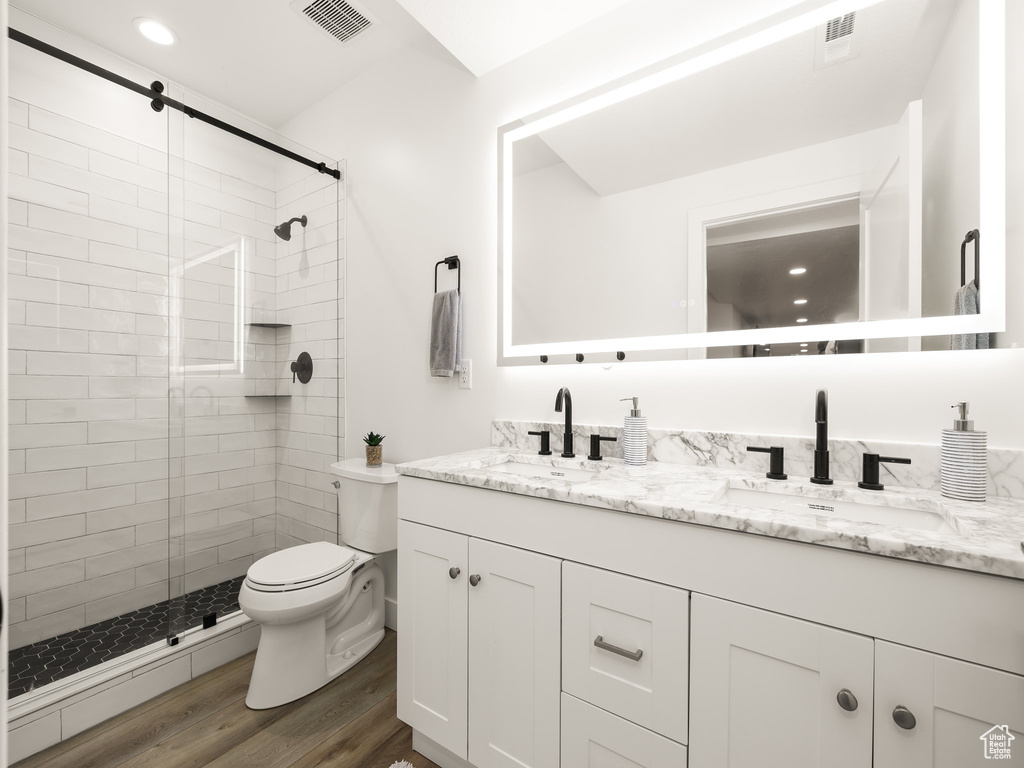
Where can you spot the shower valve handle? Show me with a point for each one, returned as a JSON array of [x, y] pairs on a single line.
[[302, 368]]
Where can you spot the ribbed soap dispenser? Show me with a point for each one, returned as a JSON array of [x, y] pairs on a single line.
[[964, 471], [634, 435]]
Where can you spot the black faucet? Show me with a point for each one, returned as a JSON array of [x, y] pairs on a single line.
[[567, 437], [821, 439]]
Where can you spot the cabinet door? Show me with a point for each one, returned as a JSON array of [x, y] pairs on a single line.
[[953, 704], [593, 738], [605, 618], [433, 661], [514, 676], [764, 687]]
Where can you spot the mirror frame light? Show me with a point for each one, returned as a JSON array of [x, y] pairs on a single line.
[[992, 177]]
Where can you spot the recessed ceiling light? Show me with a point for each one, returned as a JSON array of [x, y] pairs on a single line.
[[800, 301], [801, 319], [151, 29], [797, 270]]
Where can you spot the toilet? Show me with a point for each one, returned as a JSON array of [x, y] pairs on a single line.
[[320, 606]]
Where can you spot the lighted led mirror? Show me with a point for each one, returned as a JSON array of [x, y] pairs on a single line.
[[811, 185]]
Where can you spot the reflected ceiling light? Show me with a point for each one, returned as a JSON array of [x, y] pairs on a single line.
[[803, 350], [800, 301], [801, 319], [804, 344], [797, 270], [153, 30]]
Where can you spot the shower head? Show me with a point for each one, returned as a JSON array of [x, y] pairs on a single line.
[[284, 231]]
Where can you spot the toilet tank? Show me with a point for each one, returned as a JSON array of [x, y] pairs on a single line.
[[367, 505]]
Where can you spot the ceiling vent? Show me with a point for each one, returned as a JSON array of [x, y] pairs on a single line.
[[340, 19], [840, 26], [835, 40]]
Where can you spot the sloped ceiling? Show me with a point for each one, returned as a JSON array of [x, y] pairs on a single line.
[[258, 57], [484, 34]]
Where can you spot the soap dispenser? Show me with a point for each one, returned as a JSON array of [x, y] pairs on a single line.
[[964, 470], [634, 435]]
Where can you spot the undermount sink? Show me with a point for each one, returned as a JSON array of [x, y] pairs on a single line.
[[920, 519], [545, 471]]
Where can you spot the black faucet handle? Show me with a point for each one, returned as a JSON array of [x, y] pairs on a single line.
[[595, 446], [545, 442], [777, 465], [869, 479]]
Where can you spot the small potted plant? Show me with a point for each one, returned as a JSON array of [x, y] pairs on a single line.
[[374, 449]]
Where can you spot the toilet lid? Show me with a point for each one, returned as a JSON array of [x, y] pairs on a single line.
[[303, 565]]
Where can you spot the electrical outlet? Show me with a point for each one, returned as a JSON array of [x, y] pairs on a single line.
[[466, 375]]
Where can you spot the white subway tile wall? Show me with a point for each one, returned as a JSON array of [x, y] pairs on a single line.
[[310, 424], [140, 469]]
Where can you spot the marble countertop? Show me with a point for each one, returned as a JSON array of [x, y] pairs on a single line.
[[987, 538]]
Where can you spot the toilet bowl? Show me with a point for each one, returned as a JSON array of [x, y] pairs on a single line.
[[320, 605]]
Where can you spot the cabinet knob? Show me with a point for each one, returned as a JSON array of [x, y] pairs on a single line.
[[847, 700], [904, 718], [453, 573], [336, 483], [474, 579]]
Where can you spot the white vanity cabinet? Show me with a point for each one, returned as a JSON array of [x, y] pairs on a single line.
[[770, 691], [765, 691], [593, 738], [717, 649], [478, 655], [433, 644], [945, 708], [514, 629], [625, 647]]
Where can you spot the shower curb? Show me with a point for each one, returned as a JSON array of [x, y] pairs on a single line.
[[64, 708]]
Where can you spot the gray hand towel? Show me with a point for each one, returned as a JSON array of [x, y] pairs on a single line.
[[446, 334], [966, 301]]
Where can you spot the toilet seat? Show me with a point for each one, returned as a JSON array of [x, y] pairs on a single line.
[[300, 567]]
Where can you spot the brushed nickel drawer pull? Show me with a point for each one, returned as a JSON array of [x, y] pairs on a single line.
[[633, 655]]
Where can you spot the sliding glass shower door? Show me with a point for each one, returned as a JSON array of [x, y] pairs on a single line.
[[159, 445], [88, 329], [245, 302]]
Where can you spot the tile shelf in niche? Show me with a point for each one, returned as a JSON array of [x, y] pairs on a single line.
[[270, 325], [268, 395]]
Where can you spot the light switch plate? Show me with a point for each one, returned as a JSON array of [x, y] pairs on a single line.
[[466, 375]]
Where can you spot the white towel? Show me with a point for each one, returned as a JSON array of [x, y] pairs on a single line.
[[967, 301], [446, 334]]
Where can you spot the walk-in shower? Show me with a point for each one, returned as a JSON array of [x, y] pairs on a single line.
[[158, 444]]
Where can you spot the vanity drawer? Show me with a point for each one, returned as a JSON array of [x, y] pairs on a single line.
[[625, 647], [593, 738]]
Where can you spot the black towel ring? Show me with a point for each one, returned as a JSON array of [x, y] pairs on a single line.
[[452, 262], [975, 237]]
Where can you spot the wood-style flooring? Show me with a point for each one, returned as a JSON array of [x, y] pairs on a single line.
[[349, 723]]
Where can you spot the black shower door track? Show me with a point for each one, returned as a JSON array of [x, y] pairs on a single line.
[[158, 100]]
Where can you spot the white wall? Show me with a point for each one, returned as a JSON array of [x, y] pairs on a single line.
[[419, 136]]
